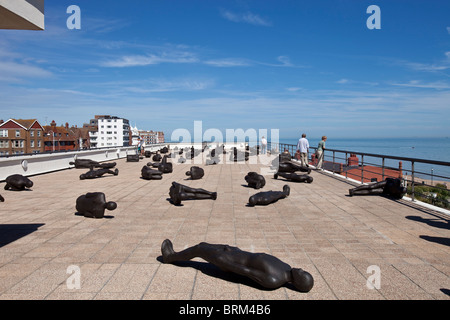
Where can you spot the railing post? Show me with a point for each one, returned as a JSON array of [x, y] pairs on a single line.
[[382, 169], [333, 160], [362, 168], [412, 180], [346, 171]]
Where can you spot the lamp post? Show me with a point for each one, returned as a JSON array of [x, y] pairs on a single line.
[[53, 138]]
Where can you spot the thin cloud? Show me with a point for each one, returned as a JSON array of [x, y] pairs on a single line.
[[151, 59], [248, 17], [418, 84], [228, 62]]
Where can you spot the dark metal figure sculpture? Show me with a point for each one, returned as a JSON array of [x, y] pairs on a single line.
[[133, 158], [2, 199], [390, 187], [18, 182], [164, 166], [292, 176], [92, 174], [255, 180], [266, 270], [292, 167], [93, 205], [179, 192], [149, 174], [157, 157], [268, 197], [195, 173], [88, 164]]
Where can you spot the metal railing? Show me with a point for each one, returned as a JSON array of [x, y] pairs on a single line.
[[426, 180]]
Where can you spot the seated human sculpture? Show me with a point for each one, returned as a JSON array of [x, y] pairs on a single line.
[[93, 205], [164, 150], [92, 174], [150, 174], [18, 182], [292, 176], [389, 187], [255, 180], [179, 192], [181, 159], [266, 270], [88, 164], [164, 166], [268, 197], [195, 173]]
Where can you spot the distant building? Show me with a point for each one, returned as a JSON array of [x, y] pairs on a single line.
[[59, 138], [111, 131], [19, 136], [151, 137]]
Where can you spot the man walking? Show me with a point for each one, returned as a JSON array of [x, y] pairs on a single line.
[[303, 148]]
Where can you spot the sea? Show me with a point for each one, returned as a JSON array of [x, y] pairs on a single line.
[[437, 149]]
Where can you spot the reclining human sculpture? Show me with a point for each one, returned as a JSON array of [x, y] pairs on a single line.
[[195, 173], [94, 204], [268, 197], [266, 270], [88, 164], [92, 174], [255, 180], [164, 166], [389, 187], [18, 182], [292, 176], [179, 192], [292, 167]]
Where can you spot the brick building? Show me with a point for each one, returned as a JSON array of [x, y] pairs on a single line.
[[21, 136], [59, 138]]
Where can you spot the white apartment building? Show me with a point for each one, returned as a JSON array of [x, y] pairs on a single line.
[[111, 131]]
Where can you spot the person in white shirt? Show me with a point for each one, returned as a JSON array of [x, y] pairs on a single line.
[[303, 148], [263, 145]]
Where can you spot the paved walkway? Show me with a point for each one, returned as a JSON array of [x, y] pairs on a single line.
[[340, 240]]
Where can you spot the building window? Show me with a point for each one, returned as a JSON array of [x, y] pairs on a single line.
[[38, 133], [39, 143], [4, 133], [4, 144], [17, 133], [32, 143], [31, 133], [17, 143]]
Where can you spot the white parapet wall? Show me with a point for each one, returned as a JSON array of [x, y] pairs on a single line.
[[22, 14], [29, 165]]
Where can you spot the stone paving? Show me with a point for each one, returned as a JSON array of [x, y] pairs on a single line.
[[339, 239]]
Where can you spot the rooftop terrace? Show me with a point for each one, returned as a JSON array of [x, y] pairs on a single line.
[[319, 228]]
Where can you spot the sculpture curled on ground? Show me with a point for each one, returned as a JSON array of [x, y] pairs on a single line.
[[195, 173], [292, 167], [266, 270], [391, 187], [292, 176], [94, 204], [268, 197], [93, 174], [157, 157], [255, 180], [18, 182], [164, 166], [149, 174], [179, 192]]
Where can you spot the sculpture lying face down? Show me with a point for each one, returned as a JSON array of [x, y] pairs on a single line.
[[149, 174], [268, 197], [266, 270], [88, 164], [391, 187], [195, 173], [292, 176], [94, 204], [292, 167], [179, 192], [18, 182], [93, 174], [255, 180]]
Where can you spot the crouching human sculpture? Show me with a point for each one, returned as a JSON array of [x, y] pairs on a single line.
[[179, 192], [292, 176], [195, 173], [92, 174], [164, 166], [255, 180], [18, 182], [266, 270], [389, 187], [148, 173], [94, 204], [268, 197]]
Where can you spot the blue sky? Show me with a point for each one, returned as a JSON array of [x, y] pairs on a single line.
[[297, 66]]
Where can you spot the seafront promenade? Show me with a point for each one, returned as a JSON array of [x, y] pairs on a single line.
[[339, 239]]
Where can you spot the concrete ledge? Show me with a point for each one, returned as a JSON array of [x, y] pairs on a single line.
[[22, 14]]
